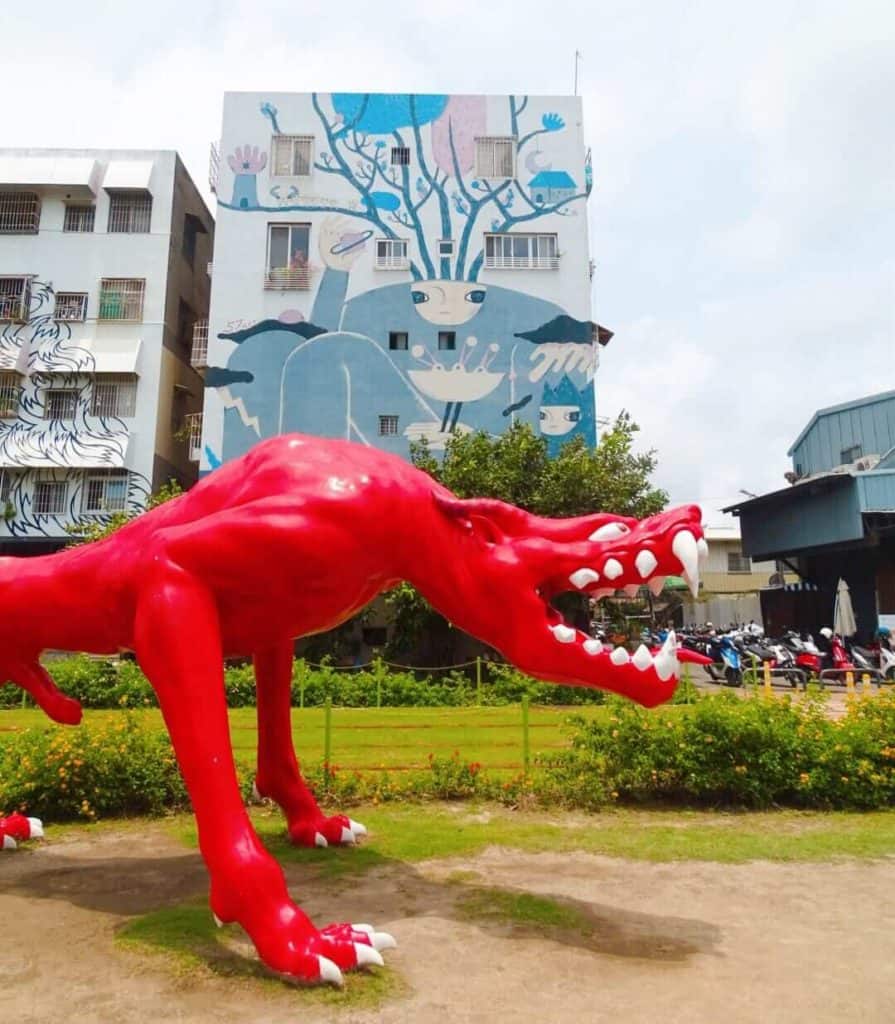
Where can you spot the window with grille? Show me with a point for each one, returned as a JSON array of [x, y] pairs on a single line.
[[79, 217], [447, 340], [19, 213], [288, 256], [495, 157], [738, 562], [10, 394], [292, 155], [106, 492], [388, 426], [400, 156], [5, 486], [130, 212], [397, 340], [60, 403], [114, 394], [49, 497], [71, 306], [15, 298], [521, 252], [391, 254], [121, 298]]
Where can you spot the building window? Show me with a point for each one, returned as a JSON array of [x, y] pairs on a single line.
[[5, 485], [130, 212], [106, 492], [121, 298], [292, 155], [495, 157], [738, 562], [49, 498], [10, 394], [849, 454], [446, 247], [19, 213], [15, 298], [114, 394], [70, 306], [288, 256], [400, 156], [391, 254], [60, 403], [79, 217], [192, 424], [388, 426], [521, 252], [397, 341], [447, 340]]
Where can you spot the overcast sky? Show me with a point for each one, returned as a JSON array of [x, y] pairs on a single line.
[[743, 215]]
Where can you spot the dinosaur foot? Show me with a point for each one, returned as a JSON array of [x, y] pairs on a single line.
[[337, 830], [17, 828]]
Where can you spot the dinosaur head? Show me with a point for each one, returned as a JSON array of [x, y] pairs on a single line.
[[510, 565]]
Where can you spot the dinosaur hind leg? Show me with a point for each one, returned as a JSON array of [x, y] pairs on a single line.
[[278, 775]]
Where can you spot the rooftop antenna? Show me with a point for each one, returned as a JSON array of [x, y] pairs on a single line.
[[577, 58]]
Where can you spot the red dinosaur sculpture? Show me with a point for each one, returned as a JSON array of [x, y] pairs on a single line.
[[17, 828], [294, 538]]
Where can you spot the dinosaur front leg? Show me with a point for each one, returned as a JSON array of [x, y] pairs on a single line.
[[278, 775], [177, 640]]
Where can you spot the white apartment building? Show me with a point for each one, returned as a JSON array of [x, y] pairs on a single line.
[[103, 285]]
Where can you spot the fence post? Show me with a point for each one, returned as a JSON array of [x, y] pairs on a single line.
[[327, 734], [301, 682], [478, 680], [377, 668], [525, 738], [866, 686], [687, 688], [850, 683], [767, 679]]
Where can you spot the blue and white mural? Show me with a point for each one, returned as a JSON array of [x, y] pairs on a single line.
[[439, 345]]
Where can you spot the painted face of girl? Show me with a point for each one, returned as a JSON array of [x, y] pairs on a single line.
[[447, 302], [559, 419]]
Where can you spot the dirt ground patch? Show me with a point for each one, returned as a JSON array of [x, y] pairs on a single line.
[[676, 942]]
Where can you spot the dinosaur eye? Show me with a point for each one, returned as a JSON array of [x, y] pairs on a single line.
[[573, 416], [419, 297], [477, 296], [609, 531]]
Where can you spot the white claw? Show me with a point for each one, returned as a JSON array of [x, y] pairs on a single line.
[[383, 940], [330, 972], [645, 562], [368, 928], [367, 955], [642, 658], [619, 656], [632, 589], [580, 578], [320, 840], [592, 646], [612, 569], [684, 548], [8, 843], [348, 836], [656, 585], [564, 634], [36, 827], [702, 549], [609, 531], [357, 828], [217, 920]]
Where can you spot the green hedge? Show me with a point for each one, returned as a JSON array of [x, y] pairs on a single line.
[[98, 683]]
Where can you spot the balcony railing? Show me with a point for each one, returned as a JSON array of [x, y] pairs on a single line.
[[193, 429], [214, 167], [522, 262], [199, 352], [288, 279]]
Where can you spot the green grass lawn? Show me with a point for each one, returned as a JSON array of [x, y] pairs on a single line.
[[370, 738]]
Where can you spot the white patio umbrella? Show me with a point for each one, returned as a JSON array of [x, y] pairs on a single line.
[[843, 614]]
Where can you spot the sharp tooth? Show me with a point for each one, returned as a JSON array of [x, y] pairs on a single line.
[[642, 658], [702, 549], [612, 569], [656, 584], [670, 645], [684, 548], [593, 646], [580, 578], [609, 531], [665, 665], [564, 634], [619, 656], [632, 589], [645, 562]]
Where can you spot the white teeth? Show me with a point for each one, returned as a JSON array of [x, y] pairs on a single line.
[[670, 644], [619, 656], [580, 578], [612, 569], [609, 531], [665, 665], [593, 646], [632, 589], [684, 548], [564, 634], [645, 562], [656, 584], [702, 549], [642, 658]]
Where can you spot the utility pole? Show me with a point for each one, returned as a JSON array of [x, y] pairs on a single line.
[[577, 58]]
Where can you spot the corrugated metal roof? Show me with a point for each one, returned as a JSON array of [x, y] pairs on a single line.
[[883, 396]]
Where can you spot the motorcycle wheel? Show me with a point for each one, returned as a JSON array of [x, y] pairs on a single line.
[[733, 676]]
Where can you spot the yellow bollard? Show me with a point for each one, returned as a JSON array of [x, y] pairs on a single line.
[[866, 685], [767, 679], [850, 683]]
